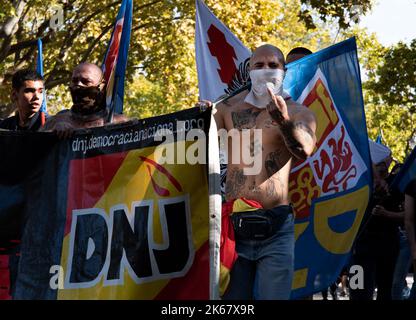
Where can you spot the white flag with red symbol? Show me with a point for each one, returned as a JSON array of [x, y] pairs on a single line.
[[221, 58]]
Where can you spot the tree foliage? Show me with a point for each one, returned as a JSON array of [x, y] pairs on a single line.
[[395, 79], [397, 125], [83, 35], [390, 76], [162, 43], [161, 74], [345, 12], [391, 98], [172, 67]]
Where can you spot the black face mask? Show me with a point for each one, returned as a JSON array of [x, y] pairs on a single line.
[[87, 100]]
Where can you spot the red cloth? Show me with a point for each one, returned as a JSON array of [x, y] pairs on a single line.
[[228, 255], [4, 277]]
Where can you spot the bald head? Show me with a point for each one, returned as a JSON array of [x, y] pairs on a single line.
[[267, 56], [87, 75]]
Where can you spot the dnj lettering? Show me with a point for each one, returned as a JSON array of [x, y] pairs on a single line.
[[104, 246]]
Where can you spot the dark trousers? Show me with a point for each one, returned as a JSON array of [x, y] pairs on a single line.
[[377, 256]]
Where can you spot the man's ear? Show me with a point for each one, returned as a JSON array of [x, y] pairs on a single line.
[[13, 95]]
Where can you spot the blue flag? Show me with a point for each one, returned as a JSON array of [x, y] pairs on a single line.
[[330, 190], [407, 173], [39, 70], [115, 61], [379, 138]]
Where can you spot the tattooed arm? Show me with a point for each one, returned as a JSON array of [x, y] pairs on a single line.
[[219, 117], [299, 136], [298, 130]]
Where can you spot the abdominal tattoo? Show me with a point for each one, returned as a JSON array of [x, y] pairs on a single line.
[[275, 184], [256, 147], [235, 182], [275, 161], [253, 188], [245, 119]]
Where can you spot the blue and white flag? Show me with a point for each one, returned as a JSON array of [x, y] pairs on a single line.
[[39, 70], [331, 189], [115, 61]]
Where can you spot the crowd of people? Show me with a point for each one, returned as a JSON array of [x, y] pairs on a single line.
[[258, 205]]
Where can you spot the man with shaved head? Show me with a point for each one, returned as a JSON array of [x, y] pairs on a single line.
[[88, 96], [261, 213]]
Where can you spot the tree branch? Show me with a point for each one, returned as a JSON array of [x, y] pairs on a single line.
[[148, 4], [53, 83], [9, 28], [94, 43], [69, 40], [141, 26]]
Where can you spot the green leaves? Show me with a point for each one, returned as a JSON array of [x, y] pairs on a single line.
[[162, 43], [7, 9], [389, 93], [395, 80], [345, 12], [397, 124], [161, 72]]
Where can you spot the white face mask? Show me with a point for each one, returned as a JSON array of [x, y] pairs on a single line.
[[262, 79]]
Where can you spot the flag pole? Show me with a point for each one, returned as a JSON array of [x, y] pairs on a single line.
[[39, 70], [110, 116]]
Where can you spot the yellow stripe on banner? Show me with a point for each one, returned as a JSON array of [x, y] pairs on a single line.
[[132, 183], [340, 242], [299, 278]]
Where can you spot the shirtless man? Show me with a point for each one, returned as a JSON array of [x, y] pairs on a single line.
[[264, 268], [88, 109]]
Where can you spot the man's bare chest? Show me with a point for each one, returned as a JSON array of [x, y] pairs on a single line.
[[242, 119]]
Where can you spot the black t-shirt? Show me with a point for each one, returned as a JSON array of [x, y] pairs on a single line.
[[12, 123], [385, 228]]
